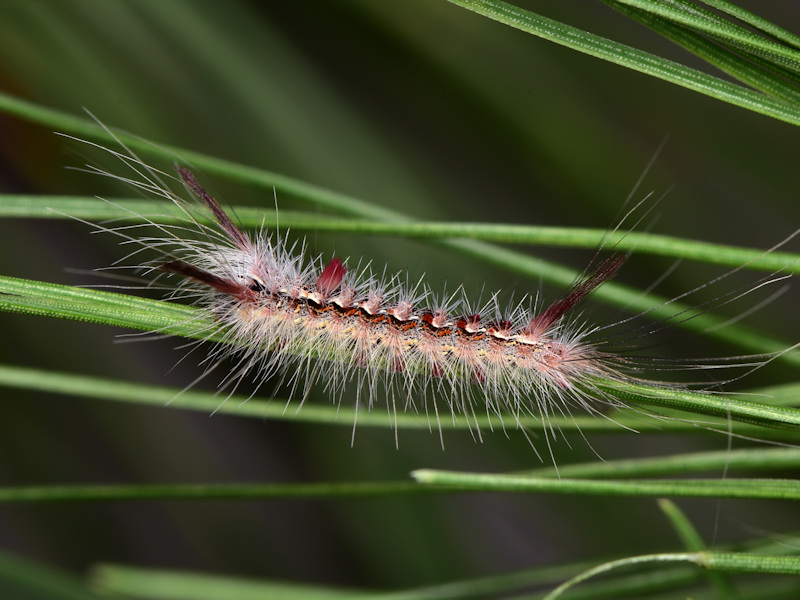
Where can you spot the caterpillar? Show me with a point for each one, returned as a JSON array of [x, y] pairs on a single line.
[[277, 307], [308, 321]]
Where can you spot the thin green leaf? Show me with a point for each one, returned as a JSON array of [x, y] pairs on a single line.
[[96, 210], [113, 390], [96, 306], [132, 582], [718, 561], [771, 458], [693, 542], [710, 404], [701, 20], [754, 21], [755, 459], [211, 403], [434, 482], [146, 583], [768, 489], [690, 537], [751, 69], [632, 58], [224, 491]]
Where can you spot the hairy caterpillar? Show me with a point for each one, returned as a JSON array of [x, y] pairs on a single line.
[[277, 308], [312, 322]]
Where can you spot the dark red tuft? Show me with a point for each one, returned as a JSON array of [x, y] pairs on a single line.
[[229, 227], [582, 288], [191, 272], [331, 277]]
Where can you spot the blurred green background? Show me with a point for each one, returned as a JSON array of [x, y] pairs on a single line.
[[419, 106]]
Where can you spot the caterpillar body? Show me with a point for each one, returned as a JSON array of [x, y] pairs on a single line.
[[341, 326]]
